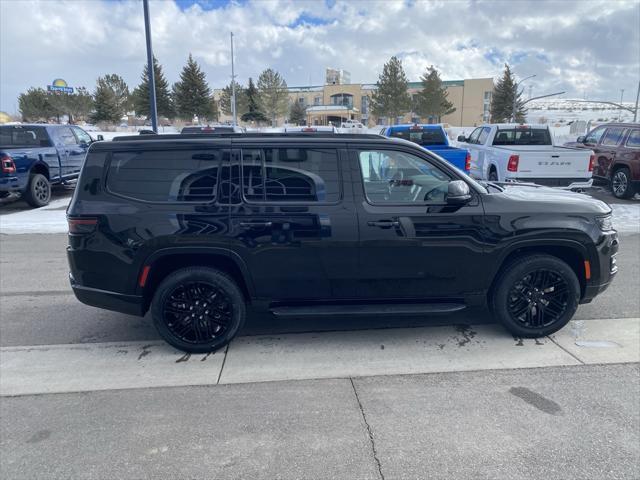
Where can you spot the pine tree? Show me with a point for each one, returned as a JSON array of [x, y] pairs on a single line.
[[253, 114], [502, 99], [140, 95], [80, 104], [34, 105], [391, 98], [241, 100], [431, 101], [112, 99], [297, 113], [191, 95], [214, 113], [273, 94]]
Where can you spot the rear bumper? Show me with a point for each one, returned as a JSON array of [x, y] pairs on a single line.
[[562, 183], [607, 249], [118, 302], [11, 184]]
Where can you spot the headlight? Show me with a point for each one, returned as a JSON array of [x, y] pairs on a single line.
[[605, 223]]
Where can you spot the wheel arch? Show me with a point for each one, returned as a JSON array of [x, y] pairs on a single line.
[[40, 168], [167, 261]]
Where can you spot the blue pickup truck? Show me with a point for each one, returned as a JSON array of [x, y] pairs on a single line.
[[433, 138], [34, 157]]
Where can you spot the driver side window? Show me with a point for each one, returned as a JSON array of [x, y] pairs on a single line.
[[594, 136], [393, 177]]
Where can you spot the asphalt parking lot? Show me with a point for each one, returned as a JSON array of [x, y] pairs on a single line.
[[93, 394]]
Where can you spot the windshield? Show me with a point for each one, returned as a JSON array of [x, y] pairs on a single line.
[[523, 136], [21, 136], [420, 135]]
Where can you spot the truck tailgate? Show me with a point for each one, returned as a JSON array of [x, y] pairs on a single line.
[[550, 162], [455, 156]]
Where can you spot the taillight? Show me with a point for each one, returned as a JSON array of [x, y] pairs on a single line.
[[512, 164], [309, 129], [82, 225], [592, 162], [7, 164], [467, 162]]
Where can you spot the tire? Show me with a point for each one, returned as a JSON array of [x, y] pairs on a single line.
[[493, 175], [38, 193], [198, 293], [621, 186], [543, 311]]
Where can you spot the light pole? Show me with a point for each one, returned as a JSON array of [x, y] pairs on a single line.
[[233, 88], [621, 96], [515, 96], [635, 112], [153, 112]]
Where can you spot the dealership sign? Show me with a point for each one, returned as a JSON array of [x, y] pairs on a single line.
[[59, 85]]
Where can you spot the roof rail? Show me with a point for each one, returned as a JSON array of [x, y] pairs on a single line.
[[192, 136]]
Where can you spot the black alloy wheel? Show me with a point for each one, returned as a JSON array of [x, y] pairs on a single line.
[[539, 299], [38, 192]]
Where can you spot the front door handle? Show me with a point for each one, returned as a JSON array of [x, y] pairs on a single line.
[[384, 224], [249, 225]]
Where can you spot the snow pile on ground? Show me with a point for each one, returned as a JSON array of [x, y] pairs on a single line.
[[52, 219]]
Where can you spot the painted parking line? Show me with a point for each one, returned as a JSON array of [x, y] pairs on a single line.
[[109, 366]]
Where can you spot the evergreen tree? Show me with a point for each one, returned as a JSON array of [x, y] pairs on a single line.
[[34, 105], [297, 113], [140, 95], [502, 100], [120, 90], [80, 104], [105, 104], [214, 113], [431, 101], [191, 95], [391, 98], [253, 114], [273, 94], [241, 100]]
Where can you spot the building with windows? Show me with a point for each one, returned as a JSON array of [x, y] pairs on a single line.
[[334, 103]]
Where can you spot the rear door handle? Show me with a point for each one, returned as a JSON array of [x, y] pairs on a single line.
[[384, 224], [249, 225]]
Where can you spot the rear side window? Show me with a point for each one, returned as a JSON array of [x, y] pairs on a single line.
[[484, 134], [165, 176], [613, 136], [420, 135], [290, 175], [634, 139], [523, 136], [19, 136]]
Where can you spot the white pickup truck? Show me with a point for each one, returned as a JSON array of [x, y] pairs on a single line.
[[526, 153]]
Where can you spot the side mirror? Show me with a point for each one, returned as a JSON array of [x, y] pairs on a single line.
[[462, 138], [458, 193], [580, 139], [100, 138]]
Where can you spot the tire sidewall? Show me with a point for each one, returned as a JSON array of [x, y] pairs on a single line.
[[210, 275], [514, 272], [31, 197]]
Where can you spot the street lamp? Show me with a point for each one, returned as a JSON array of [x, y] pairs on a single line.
[[515, 96]]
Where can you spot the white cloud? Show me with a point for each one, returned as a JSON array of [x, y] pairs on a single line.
[[574, 46]]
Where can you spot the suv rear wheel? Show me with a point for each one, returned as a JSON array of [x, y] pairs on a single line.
[[38, 192], [198, 309], [536, 295], [621, 186]]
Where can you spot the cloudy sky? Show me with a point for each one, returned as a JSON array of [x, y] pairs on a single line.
[[587, 47]]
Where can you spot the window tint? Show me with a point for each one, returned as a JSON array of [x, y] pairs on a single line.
[[634, 139], [19, 136], [392, 177], [82, 135], [523, 136], [66, 136], [613, 136], [165, 176], [594, 136], [484, 134], [473, 138], [290, 175]]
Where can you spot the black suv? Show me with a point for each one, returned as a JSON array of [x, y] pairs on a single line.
[[196, 228]]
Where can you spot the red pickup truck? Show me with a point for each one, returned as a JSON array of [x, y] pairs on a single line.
[[617, 149]]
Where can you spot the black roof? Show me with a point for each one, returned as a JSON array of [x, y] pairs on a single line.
[[270, 135]]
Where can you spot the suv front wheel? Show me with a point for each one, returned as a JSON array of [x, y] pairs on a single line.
[[536, 295], [621, 186], [198, 309]]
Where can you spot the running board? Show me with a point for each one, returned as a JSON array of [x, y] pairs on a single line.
[[384, 309]]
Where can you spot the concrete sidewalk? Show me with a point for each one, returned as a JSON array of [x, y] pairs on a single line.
[[122, 365]]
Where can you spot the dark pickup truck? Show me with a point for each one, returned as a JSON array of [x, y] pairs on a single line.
[[34, 157]]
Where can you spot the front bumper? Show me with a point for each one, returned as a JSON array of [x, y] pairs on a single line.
[[606, 261], [117, 302]]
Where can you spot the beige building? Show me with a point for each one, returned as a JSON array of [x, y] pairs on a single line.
[[339, 102]]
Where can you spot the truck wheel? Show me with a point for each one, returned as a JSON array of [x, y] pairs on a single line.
[[535, 295], [38, 193], [621, 186], [198, 309]]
